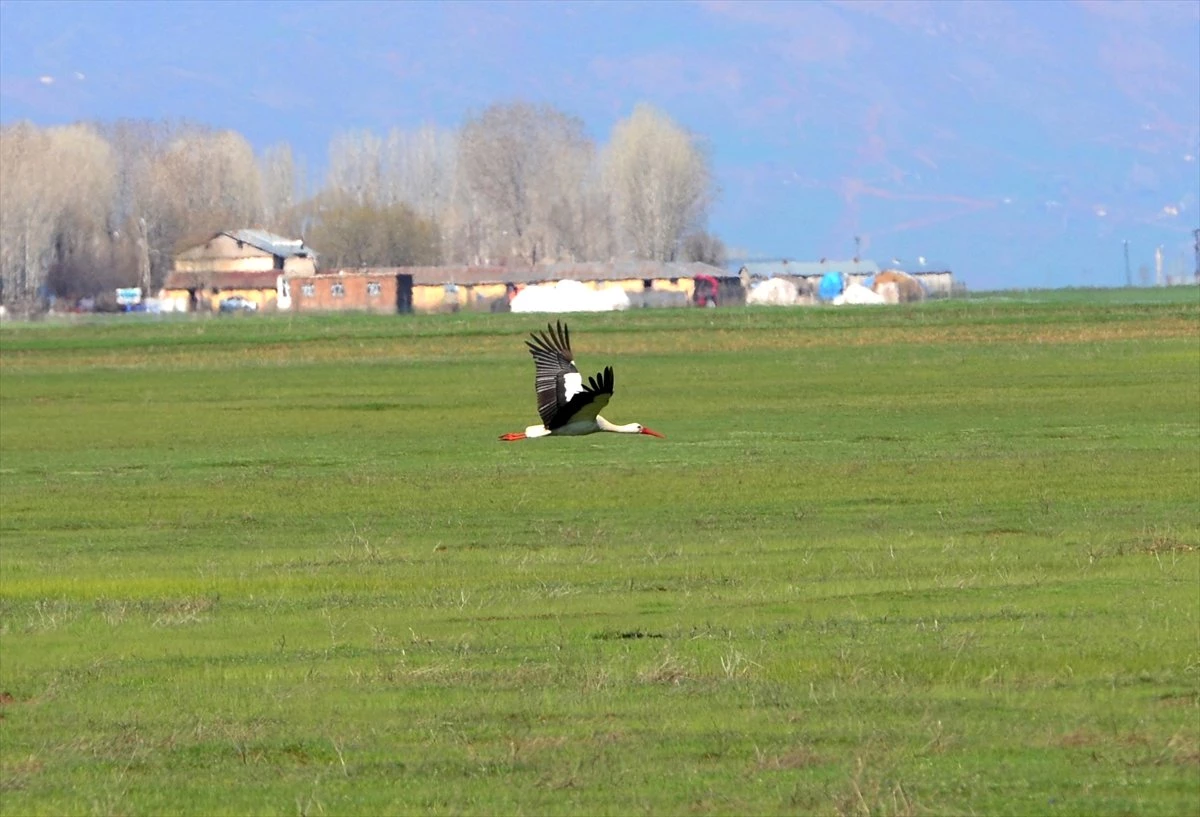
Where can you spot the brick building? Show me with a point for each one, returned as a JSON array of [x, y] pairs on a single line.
[[360, 291]]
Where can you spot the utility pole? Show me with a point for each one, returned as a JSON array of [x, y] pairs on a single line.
[[857, 244], [143, 245], [1128, 274], [1196, 234]]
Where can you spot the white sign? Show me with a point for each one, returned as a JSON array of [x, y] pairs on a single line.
[[127, 296]]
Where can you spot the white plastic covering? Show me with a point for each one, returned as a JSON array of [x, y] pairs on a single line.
[[569, 296], [775, 291], [856, 293], [889, 292]]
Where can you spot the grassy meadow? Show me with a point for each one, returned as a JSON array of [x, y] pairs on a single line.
[[941, 559]]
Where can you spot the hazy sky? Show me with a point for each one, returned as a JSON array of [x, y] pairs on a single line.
[[1017, 143]]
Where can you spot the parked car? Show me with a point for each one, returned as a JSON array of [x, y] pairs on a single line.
[[238, 304]]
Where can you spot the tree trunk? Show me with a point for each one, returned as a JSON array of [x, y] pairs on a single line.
[[143, 258]]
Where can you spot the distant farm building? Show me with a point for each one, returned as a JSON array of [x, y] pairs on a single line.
[[810, 270], [454, 288], [249, 266], [938, 283], [364, 290], [806, 275]]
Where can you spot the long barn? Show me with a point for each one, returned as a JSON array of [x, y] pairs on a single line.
[[454, 288]]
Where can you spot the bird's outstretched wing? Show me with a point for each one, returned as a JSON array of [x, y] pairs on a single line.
[[587, 403], [555, 378]]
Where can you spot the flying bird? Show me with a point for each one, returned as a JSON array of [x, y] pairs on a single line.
[[568, 406]]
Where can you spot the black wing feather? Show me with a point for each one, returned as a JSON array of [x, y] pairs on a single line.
[[552, 360], [587, 404]]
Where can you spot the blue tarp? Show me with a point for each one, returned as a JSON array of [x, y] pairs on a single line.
[[832, 284]]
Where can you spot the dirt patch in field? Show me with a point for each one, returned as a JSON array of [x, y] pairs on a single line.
[[1183, 751], [1165, 544], [524, 748], [17, 774], [1078, 739], [1082, 737], [1179, 749], [609, 635], [798, 757], [1185, 699], [667, 670]]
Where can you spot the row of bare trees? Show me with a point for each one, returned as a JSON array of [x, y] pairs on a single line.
[[87, 207], [524, 183]]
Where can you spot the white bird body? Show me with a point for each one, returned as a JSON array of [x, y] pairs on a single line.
[[569, 407], [578, 429]]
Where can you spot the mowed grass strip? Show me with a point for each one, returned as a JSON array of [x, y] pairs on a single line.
[[917, 561], [239, 340]]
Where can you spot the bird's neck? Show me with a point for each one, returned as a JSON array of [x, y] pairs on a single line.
[[605, 425]]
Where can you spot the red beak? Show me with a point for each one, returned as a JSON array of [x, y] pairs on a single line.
[[652, 432]]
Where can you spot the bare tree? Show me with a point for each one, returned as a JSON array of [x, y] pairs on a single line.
[[562, 199], [661, 183], [356, 166], [705, 247], [418, 169], [280, 187], [349, 234], [598, 218], [214, 176], [522, 169], [522, 182], [142, 239], [87, 164], [26, 227], [463, 228], [199, 182], [56, 196]]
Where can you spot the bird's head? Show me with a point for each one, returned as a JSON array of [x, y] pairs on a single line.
[[641, 429]]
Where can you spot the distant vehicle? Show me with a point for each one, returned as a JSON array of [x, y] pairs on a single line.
[[238, 304], [707, 291]]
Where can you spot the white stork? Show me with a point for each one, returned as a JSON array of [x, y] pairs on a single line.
[[567, 405]]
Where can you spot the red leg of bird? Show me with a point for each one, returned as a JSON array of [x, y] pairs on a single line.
[[515, 435]]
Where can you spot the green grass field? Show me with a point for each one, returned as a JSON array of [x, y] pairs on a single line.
[[932, 560]]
